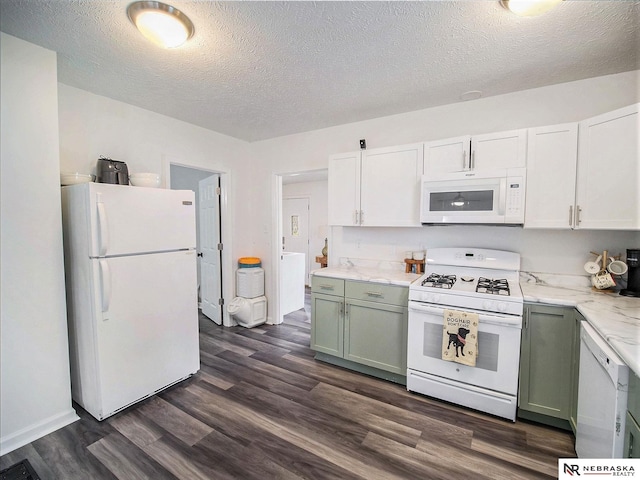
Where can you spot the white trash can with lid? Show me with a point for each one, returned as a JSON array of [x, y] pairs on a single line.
[[250, 282]]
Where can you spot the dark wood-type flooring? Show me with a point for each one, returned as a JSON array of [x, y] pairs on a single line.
[[261, 407]]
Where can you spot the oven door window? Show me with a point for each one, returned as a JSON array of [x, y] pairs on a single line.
[[461, 201], [498, 358], [488, 346]]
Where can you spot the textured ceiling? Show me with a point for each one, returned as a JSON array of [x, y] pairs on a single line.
[[257, 70]]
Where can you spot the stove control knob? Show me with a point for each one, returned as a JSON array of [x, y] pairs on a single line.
[[486, 305], [502, 306], [436, 298]]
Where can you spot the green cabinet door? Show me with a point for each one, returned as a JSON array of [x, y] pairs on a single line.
[[575, 371], [376, 335], [327, 324], [631, 438], [632, 430], [546, 361]]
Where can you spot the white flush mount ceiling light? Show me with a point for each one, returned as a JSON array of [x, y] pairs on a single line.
[[163, 24], [529, 8]]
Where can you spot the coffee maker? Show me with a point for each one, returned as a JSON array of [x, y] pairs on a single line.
[[112, 171], [633, 274]]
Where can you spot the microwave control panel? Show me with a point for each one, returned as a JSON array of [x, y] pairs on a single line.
[[514, 208]]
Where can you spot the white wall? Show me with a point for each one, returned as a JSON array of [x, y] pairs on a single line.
[[318, 205], [35, 385], [547, 251], [92, 126]]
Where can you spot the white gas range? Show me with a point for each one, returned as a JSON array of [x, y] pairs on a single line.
[[473, 281]]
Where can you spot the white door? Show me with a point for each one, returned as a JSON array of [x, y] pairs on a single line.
[[210, 273], [449, 155], [295, 228], [608, 186], [390, 186], [499, 150], [551, 170], [127, 220], [344, 189], [147, 325]]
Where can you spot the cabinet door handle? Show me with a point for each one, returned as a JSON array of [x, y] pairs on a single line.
[[326, 286], [526, 318], [355, 217], [578, 212], [472, 160], [464, 160], [570, 215], [374, 294], [361, 217]]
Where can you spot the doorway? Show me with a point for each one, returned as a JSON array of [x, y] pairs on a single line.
[[295, 226], [214, 271], [312, 184]]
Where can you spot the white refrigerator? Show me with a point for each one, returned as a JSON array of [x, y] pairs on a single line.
[[130, 266]]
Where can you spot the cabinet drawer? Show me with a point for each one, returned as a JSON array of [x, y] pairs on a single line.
[[376, 292], [327, 285]]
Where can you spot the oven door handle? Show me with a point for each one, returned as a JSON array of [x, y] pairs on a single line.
[[506, 320]]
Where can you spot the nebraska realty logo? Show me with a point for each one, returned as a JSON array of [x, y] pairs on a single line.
[[581, 467]]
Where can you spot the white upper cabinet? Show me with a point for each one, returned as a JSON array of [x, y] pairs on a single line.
[[390, 186], [551, 171], [608, 182], [344, 189], [499, 150], [378, 187], [446, 156], [480, 152]]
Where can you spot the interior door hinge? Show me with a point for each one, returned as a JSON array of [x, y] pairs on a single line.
[[220, 247], [221, 301], [218, 191]]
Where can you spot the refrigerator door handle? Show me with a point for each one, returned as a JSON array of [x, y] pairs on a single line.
[[105, 280], [104, 234]]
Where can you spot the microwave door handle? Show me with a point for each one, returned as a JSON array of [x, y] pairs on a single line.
[[502, 203]]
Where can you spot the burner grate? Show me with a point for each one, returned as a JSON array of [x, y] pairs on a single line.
[[493, 286], [437, 280]]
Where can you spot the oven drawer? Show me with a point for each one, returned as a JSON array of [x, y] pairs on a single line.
[[377, 292], [327, 285]]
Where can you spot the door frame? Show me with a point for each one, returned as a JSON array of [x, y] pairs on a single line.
[[226, 226], [276, 316]]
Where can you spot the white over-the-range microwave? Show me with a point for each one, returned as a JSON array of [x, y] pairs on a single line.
[[471, 197]]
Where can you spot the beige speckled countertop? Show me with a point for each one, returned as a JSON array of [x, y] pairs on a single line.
[[615, 318]]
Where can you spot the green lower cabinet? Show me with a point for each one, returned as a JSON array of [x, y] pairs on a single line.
[[547, 364], [632, 430], [360, 325], [631, 438], [376, 335], [327, 324], [575, 372]]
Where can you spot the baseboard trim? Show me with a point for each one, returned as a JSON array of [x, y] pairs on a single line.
[[358, 367], [27, 435]]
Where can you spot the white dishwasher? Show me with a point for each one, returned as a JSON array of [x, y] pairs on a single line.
[[602, 398]]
